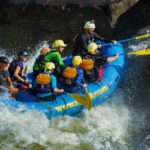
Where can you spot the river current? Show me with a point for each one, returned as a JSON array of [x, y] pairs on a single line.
[[121, 123]]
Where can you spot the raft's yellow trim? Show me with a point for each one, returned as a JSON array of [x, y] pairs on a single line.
[[99, 92], [75, 104], [65, 107]]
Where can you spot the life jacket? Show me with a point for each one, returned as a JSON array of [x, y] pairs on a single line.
[[79, 39], [90, 74], [12, 68], [43, 83], [69, 75], [87, 64], [3, 78], [37, 65]]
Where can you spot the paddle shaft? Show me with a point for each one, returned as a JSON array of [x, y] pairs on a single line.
[[131, 39], [141, 52]]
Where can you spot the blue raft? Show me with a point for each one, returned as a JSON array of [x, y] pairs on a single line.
[[65, 104]]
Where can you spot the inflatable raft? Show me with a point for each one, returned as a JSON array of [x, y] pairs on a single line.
[[65, 104]]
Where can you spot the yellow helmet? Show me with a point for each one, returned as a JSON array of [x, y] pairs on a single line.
[[59, 43], [49, 66], [92, 47], [77, 60], [89, 25], [44, 50]]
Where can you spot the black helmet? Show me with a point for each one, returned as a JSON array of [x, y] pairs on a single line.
[[4, 59], [22, 53]]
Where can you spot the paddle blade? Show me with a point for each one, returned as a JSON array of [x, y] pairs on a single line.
[[142, 36], [25, 72], [140, 52], [83, 100], [89, 102], [88, 98], [80, 99]]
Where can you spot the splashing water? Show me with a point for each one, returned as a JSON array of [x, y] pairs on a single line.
[[105, 127]]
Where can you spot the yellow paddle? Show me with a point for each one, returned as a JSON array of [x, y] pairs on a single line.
[[141, 52], [83, 100], [142, 36], [25, 71], [135, 38]]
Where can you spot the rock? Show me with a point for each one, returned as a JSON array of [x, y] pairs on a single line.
[[29, 23], [26, 25], [134, 21]]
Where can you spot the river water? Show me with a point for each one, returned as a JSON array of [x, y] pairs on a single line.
[[121, 123]]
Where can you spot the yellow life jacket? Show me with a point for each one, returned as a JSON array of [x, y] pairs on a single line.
[[87, 64], [69, 74], [43, 79]]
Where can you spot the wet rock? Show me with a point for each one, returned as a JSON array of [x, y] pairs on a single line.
[[134, 21], [26, 25]]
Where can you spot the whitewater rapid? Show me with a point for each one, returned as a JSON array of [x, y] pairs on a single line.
[[106, 127]]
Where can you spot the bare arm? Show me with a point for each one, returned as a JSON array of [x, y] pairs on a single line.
[[111, 59], [16, 74], [10, 83]]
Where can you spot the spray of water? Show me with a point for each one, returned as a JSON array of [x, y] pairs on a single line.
[[105, 127]]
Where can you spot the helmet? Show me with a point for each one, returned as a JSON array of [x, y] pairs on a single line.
[[58, 43], [77, 60], [22, 53], [49, 66], [4, 60], [92, 47], [44, 50], [89, 25]]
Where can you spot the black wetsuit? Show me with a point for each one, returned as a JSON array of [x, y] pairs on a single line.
[[92, 75], [82, 40]]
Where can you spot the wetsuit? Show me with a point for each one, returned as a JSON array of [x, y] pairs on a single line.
[[82, 40]]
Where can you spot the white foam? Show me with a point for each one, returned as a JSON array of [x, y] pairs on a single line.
[[105, 127]]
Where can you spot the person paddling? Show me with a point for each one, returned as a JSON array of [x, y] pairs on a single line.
[[46, 82], [16, 71], [98, 60], [81, 40], [55, 56], [73, 76], [5, 79], [37, 68]]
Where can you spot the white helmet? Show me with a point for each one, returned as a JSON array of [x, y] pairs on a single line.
[[89, 25]]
